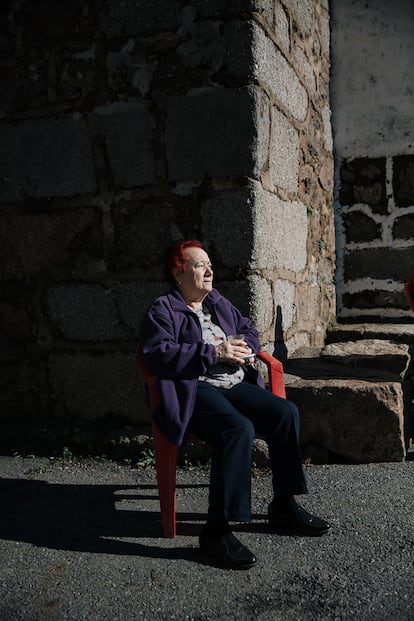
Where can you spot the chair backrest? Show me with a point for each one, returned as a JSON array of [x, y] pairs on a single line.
[[150, 380]]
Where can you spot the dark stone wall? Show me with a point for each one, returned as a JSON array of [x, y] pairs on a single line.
[[124, 126], [377, 206]]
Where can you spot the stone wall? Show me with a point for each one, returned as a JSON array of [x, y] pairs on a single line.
[[124, 126], [373, 119]]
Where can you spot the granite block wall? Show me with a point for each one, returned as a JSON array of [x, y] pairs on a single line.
[[124, 126]]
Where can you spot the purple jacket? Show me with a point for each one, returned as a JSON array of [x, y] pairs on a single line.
[[172, 348]]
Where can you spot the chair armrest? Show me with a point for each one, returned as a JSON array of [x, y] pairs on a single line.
[[276, 374]]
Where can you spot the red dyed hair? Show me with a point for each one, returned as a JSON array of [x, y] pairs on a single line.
[[175, 256]]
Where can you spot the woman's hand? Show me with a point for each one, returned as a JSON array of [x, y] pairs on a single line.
[[235, 352]]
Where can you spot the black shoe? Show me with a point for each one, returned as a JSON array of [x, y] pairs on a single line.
[[227, 551], [293, 518]]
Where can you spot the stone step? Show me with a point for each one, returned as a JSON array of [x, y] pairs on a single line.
[[354, 399], [398, 333]]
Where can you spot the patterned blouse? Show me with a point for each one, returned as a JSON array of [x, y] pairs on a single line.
[[221, 374]]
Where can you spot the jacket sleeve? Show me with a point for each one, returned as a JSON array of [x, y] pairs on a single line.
[[233, 322], [244, 326], [163, 353]]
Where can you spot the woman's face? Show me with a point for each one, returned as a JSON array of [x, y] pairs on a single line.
[[196, 281]]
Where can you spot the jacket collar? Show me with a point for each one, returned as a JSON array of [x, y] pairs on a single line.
[[177, 301]]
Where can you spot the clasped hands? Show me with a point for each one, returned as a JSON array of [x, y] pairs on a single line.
[[235, 352]]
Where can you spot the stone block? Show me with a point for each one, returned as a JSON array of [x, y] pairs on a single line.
[[127, 129], [285, 153], [154, 16], [324, 31], [353, 419], [228, 225], [327, 128], [217, 132], [93, 313], [285, 299], [16, 326], [273, 70], [19, 388], [370, 353], [265, 233], [403, 227], [84, 312], [375, 299], [280, 232], [50, 24], [143, 228], [262, 305], [92, 387], [132, 299], [237, 292], [380, 263], [202, 45], [57, 244], [306, 69], [282, 27], [403, 180], [303, 14], [362, 180], [359, 227], [46, 158]]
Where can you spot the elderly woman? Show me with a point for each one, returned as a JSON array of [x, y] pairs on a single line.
[[208, 388]]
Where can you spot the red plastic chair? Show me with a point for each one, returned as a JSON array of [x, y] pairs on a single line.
[[166, 452]]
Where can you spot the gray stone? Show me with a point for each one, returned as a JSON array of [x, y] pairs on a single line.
[[360, 227], [238, 292], [143, 228], [46, 157], [56, 244], [403, 227], [94, 313], [371, 353], [19, 390], [128, 128], [396, 332], [272, 69], [203, 45], [132, 299], [354, 419], [380, 263], [324, 30], [15, 324], [280, 232], [262, 304], [282, 27], [363, 181], [120, 19], [84, 313], [403, 184], [227, 222], [285, 299], [303, 10], [216, 132], [285, 153], [376, 300], [91, 387]]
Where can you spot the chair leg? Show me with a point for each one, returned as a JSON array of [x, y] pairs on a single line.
[[166, 466]]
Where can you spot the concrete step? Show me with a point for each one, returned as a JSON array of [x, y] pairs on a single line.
[[354, 397]]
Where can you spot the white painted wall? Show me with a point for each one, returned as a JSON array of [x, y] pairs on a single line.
[[372, 71]]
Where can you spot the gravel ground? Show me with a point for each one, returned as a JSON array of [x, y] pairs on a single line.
[[81, 541]]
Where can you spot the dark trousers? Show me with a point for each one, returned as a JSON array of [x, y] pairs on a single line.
[[228, 420]]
